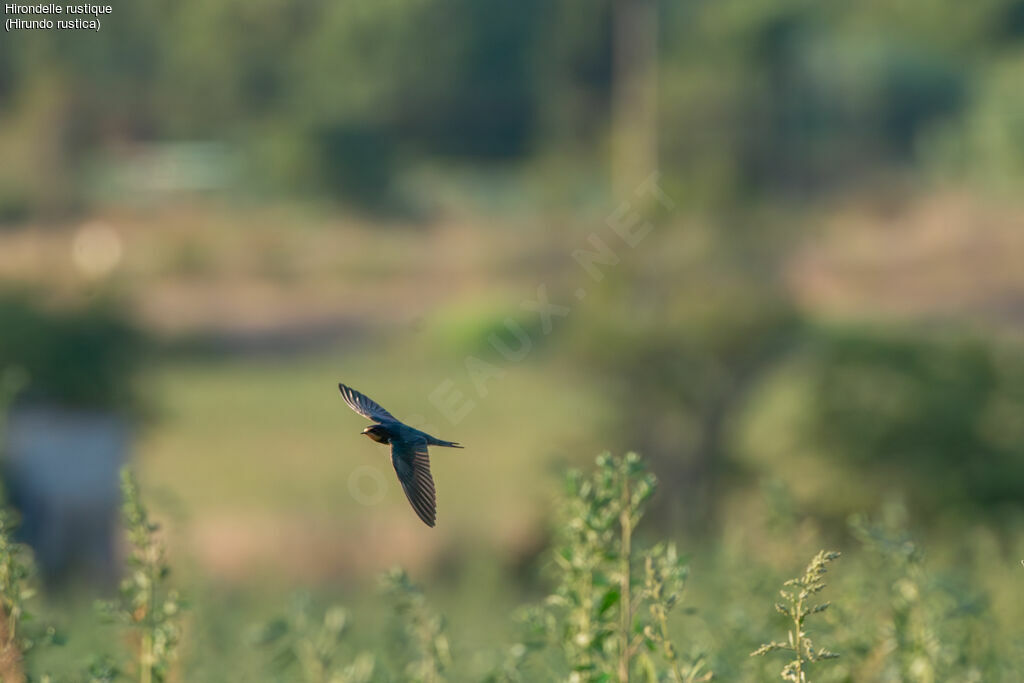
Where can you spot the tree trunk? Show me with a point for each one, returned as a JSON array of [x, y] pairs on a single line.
[[634, 94], [10, 655]]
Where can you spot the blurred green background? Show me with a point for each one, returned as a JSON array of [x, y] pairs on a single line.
[[259, 199]]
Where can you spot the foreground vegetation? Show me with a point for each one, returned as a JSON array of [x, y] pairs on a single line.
[[619, 610]]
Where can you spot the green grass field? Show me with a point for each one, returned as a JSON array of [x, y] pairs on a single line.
[[273, 437]]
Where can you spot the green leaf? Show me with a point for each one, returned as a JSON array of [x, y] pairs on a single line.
[[610, 599]]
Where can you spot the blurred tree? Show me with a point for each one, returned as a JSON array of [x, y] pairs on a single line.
[[634, 94], [791, 98], [85, 358], [474, 94], [984, 145], [755, 99], [682, 346], [939, 415]]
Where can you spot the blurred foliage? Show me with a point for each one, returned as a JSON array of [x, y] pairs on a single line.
[[312, 643], [423, 651], [939, 414], [693, 358], [682, 360], [799, 97], [765, 98], [927, 632], [85, 357], [895, 614]]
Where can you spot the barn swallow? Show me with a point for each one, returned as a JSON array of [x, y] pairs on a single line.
[[408, 452]]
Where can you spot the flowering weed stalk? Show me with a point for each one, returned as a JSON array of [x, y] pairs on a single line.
[[146, 604], [796, 607]]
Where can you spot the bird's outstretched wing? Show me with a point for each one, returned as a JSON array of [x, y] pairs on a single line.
[[412, 464], [364, 405]]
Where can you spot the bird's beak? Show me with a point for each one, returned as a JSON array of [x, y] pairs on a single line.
[[365, 431]]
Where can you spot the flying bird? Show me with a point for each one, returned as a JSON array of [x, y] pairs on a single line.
[[408, 452]]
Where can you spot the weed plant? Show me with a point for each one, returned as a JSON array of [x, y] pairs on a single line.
[[618, 611]]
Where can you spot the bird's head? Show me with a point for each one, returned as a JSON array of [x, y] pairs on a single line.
[[378, 433]]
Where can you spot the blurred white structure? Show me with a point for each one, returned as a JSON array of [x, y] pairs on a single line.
[[62, 474]]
